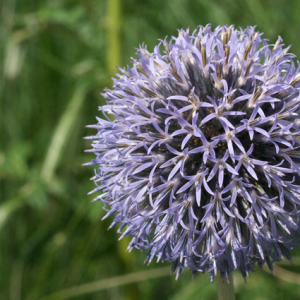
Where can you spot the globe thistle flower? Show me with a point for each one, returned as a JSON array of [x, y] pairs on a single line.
[[201, 162]]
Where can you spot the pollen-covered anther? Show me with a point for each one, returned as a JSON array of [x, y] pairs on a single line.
[[295, 81], [227, 53], [256, 96], [277, 44], [141, 69], [243, 78], [220, 110], [128, 91], [167, 48], [204, 57], [255, 36], [225, 39], [218, 81], [246, 159], [272, 77], [248, 66], [247, 50], [148, 92], [198, 44], [219, 70]]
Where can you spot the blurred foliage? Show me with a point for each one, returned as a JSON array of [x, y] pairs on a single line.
[[56, 58]]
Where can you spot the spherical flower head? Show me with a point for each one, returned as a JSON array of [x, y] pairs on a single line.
[[199, 154]]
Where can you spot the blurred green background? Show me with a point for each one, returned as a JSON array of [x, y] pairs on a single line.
[[57, 56]]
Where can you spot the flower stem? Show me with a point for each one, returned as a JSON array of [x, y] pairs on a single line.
[[225, 289], [113, 34]]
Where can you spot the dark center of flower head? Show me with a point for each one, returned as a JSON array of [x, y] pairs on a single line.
[[201, 163]]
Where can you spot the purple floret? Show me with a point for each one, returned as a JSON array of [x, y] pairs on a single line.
[[201, 163]]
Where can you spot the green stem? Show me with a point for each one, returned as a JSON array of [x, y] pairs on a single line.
[[113, 35], [225, 289]]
